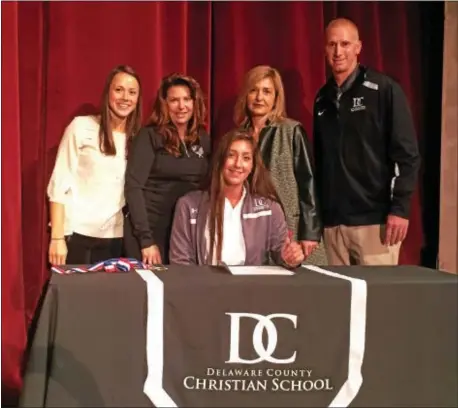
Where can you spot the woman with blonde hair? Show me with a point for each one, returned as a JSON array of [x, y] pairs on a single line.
[[167, 159], [284, 146]]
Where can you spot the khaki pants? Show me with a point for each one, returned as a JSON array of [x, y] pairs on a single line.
[[360, 245]]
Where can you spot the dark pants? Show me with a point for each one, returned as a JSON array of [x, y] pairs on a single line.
[[132, 247], [84, 250]]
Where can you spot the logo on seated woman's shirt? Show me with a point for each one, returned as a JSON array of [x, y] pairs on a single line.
[[260, 204], [198, 150], [193, 218]]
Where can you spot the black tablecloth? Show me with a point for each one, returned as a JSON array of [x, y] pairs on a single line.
[[356, 336]]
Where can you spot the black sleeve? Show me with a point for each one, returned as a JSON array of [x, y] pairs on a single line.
[[310, 227], [139, 162], [403, 150], [317, 155]]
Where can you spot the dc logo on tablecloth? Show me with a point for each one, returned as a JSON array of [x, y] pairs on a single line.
[[264, 323]]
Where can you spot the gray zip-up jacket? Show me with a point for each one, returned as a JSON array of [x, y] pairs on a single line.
[[263, 224]]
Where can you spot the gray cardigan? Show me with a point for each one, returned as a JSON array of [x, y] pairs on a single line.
[[263, 224]]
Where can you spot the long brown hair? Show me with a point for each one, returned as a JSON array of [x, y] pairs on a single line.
[[258, 183], [241, 114], [160, 117], [134, 120]]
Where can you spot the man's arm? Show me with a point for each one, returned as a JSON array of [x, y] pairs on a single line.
[[403, 150]]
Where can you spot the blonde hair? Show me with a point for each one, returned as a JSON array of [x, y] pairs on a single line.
[[252, 77]]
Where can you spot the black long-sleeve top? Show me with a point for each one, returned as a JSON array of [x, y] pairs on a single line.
[[155, 179], [359, 138]]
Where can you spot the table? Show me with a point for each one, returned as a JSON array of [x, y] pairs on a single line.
[[344, 336]]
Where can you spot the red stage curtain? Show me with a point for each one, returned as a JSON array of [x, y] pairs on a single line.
[[55, 59], [13, 317]]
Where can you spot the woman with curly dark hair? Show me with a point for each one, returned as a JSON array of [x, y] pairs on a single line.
[[167, 159]]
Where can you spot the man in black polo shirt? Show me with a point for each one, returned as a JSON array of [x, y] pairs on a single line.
[[366, 156]]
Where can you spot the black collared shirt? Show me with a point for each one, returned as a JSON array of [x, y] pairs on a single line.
[[347, 84]]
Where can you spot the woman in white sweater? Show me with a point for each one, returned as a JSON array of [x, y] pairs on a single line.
[[86, 190]]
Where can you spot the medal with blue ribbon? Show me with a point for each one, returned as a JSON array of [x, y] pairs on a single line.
[[110, 265]]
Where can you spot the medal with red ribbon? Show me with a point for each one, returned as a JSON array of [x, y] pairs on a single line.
[[110, 265]]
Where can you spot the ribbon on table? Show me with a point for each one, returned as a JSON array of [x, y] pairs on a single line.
[[110, 265]]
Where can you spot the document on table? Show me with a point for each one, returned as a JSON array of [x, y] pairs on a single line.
[[258, 270]]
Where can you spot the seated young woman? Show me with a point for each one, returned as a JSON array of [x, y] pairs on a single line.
[[236, 218]]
